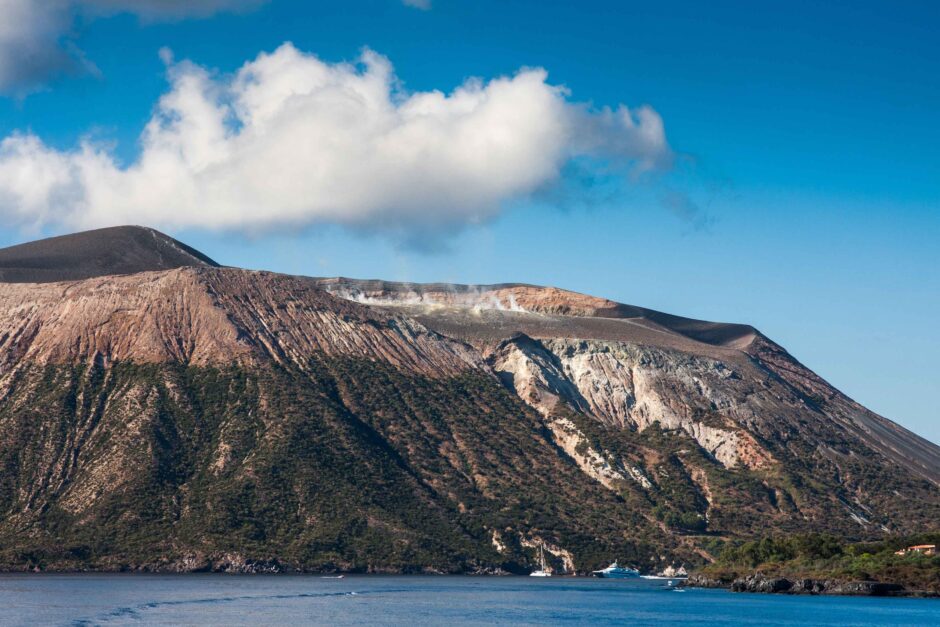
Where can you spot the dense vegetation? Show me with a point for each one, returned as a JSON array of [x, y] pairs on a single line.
[[826, 557], [355, 465], [347, 465]]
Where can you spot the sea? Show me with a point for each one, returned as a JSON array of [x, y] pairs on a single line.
[[212, 599]]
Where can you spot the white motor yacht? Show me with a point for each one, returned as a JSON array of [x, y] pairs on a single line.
[[615, 571]]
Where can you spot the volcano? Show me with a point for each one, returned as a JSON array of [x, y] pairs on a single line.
[[160, 412]]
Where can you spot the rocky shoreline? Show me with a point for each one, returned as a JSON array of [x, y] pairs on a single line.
[[753, 583], [237, 564], [768, 584]]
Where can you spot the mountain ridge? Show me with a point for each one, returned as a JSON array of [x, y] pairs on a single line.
[[524, 297]]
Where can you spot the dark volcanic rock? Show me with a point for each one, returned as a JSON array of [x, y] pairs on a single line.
[[698, 580], [116, 250], [232, 563], [758, 582], [862, 588], [811, 586]]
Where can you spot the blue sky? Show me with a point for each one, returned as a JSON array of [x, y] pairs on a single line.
[[802, 192]]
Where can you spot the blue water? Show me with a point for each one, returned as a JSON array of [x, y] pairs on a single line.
[[369, 600]]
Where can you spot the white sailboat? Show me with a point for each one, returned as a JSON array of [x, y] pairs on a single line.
[[542, 571]]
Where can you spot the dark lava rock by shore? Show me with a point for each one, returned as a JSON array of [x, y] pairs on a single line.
[[759, 582], [698, 580]]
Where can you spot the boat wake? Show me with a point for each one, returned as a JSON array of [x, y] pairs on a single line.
[[137, 612]]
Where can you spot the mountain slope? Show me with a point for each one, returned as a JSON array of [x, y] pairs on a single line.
[[215, 418], [117, 250], [488, 315], [220, 418], [208, 316]]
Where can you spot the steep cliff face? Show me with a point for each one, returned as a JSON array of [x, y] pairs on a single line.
[[628, 386], [174, 415]]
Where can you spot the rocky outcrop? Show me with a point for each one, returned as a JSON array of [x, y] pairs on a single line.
[[630, 386], [231, 563], [535, 374], [593, 463], [768, 584], [558, 559], [759, 582], [699, 580], [857, 588]]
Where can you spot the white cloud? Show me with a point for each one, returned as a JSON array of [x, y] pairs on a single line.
[[293, 140], [29, 41], [35, 35]]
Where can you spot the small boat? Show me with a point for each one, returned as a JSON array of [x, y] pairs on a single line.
[[333, 577], [542, 571], [615, 571]]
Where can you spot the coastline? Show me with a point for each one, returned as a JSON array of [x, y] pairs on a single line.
[[754, 583], [762, 583]]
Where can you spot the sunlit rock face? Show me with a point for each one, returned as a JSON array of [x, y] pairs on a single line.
[[203, 316], [635, 387]]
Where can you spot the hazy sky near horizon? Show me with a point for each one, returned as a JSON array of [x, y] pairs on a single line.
[[776, 165]]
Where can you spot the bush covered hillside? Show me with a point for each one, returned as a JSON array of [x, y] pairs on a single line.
[[347, 466], [826, 557]]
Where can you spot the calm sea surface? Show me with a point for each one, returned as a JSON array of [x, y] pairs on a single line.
[[278, 600]]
